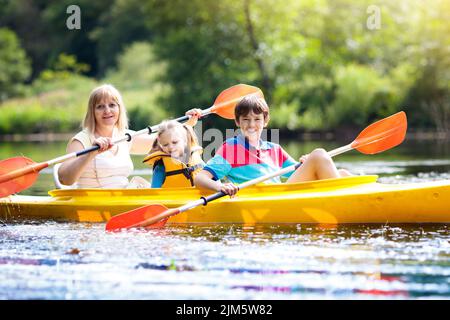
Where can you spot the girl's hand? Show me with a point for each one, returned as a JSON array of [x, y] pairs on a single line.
[[104, 144], [303, 158], [229, 189], [195, 115]]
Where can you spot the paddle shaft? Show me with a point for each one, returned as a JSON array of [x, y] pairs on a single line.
[[220, 194], [205, 200], [36, 167], [128, 137]]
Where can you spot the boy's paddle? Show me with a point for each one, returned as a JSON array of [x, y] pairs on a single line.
[[379, 136], [19, 173]]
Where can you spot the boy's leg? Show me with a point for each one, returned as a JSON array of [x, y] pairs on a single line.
[[345, 173], [317, 166]]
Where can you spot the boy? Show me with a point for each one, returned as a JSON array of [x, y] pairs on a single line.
[[246, 156]]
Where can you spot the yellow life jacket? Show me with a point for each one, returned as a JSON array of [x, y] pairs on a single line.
[[177, 173]]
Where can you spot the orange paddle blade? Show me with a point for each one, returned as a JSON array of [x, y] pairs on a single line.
[[382, 135], [135, 217], [17, 174], [226, 101]]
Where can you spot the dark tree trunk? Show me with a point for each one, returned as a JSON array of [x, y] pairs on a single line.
[[266, 81]]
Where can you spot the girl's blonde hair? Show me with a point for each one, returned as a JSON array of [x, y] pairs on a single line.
[[105, 91], [190, 138]]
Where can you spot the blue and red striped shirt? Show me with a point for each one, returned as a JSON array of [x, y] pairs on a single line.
[[237, 160]]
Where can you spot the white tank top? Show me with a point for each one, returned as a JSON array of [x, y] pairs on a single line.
[[108, 170]]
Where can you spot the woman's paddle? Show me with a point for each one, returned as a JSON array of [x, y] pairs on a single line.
[[379, 136], [19, 173]]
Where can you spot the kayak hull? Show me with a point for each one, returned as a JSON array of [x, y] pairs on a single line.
[[358, 199]]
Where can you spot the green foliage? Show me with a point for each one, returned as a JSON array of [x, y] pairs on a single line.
[[52, 106], [64, 67], [429, 98], [35, 117], [357, 89], [363, 95], [205, 48], [78, 42], [138, 75], [284, 115], [319, 64], [137, 68], [143, 107], [25, 18], [14, 65], [123, 23]]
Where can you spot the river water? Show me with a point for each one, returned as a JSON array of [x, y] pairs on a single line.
[[55, 260]]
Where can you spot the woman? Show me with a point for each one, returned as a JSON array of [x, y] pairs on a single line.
[[109, 167]]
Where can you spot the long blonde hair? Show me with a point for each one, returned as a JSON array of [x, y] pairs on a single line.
[[190, 138], [105, 91]]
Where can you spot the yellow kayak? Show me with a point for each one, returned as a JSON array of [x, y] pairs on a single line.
[[356, 199]]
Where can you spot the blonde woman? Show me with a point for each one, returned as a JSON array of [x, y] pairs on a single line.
[[109, 167]]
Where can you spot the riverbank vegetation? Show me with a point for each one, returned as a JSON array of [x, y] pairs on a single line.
[[323, 65]]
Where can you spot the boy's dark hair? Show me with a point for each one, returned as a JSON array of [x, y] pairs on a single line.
[[252, 103]]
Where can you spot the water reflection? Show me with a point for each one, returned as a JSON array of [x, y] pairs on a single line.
[[51, 260], [80, 261]]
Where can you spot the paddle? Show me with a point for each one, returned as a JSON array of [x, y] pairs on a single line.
[[19, 173], [379, 136]]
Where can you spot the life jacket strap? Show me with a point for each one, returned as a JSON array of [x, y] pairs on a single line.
[[187, 172]]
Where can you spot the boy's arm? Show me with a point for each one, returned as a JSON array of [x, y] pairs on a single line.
[[209, 177], [204, 179]]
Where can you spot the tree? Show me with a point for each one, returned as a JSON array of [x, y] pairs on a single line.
[[139, 61], [14, 65], [429, 99], [24, 17], [80, 43], [208, 47], [119, 26]]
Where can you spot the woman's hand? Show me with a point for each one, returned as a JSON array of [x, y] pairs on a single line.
[[229, 189], [195, 115], [104, 143]]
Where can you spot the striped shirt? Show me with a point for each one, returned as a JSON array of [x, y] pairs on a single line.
[[237, 160]]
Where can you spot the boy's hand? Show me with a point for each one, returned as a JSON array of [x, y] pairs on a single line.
[[229, 189], [303, 158]]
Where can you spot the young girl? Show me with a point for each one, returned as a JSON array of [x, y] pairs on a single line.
[[175, 156]]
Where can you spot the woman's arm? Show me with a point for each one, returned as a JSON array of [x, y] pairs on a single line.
[[70, 171]]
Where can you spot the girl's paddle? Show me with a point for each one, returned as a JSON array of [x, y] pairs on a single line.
[[379, 136], [19, 173]]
